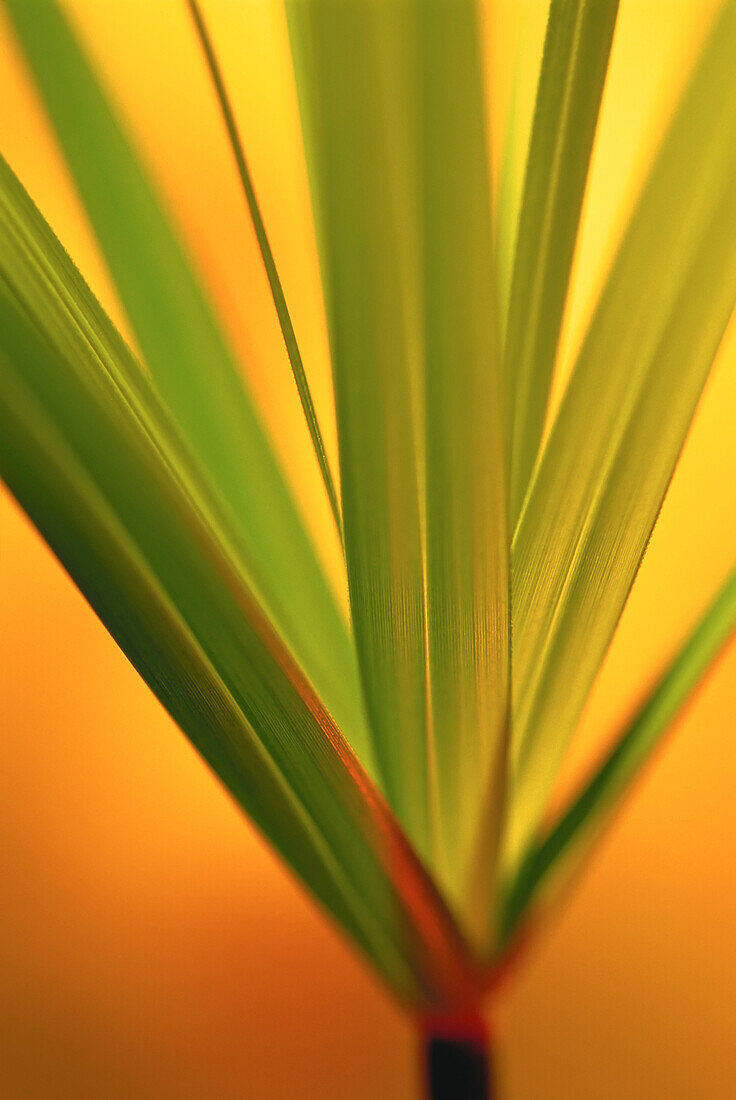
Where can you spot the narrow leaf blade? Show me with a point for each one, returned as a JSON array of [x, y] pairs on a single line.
[[351, 64], [574, 66], [466, 523], [274, 282]]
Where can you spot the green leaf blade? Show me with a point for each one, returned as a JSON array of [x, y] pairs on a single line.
[[466, 522], [350, 63], [574, 66], [274, 282]]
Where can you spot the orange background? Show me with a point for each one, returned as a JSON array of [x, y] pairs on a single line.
[[150, 945]]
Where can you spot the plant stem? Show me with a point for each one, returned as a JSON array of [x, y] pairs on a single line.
[[457, 1057]]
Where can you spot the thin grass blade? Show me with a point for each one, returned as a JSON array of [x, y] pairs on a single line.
[[569, 842], [574, 65], [189, 358], [274, 282], [602, 478]]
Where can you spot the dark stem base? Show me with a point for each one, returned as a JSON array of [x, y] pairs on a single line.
[[457, 1062]]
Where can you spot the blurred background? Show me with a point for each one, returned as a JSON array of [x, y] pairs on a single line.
[[150, 945]]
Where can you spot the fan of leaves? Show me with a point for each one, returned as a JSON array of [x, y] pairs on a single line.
[[401, 762]]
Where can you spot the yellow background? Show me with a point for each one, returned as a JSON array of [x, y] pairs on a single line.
[[150, 945]]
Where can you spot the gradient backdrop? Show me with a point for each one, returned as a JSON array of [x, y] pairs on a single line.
[[150, 945]]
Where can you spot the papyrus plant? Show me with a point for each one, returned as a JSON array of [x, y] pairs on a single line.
[[402, 762]]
